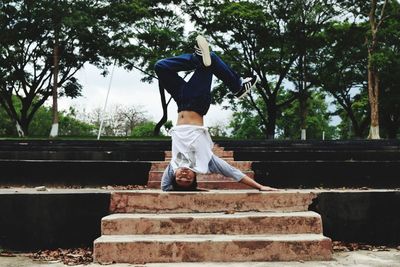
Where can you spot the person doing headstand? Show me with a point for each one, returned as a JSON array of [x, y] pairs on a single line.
[[191, 142]]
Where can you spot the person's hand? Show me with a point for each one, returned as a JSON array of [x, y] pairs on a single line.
[[267, 188]]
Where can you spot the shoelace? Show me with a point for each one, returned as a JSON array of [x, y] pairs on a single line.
[[247, 85]]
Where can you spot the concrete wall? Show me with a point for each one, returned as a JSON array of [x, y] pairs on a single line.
[[32, 221], [372, 217]]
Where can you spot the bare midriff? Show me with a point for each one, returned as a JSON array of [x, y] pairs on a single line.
[[190, 117]]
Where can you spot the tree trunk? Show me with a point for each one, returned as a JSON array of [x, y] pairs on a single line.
[[54, 126], [373, 75], [24, 125], [165, 111], [20, 132], [303, 96], [303, 113], [271, 120], [373, 90]]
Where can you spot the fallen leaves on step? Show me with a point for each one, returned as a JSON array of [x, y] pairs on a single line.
[[339, 246], [75, 256], [7, 254], [124, 187]]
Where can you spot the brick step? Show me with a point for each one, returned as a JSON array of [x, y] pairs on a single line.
[[140, 249], [157, 175], [218, 148], [218, 153], [241, 165], [220, 185], [211, 201], [243, 223]]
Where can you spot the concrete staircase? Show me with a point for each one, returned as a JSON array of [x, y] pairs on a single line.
[[214, 226], [206, 181]]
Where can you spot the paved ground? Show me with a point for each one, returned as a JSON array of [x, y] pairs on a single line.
[[361, 258]]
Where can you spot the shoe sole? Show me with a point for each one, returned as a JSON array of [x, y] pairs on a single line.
[[250, 88], [205, 50]]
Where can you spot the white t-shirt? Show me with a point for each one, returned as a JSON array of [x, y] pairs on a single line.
[[191, 147]]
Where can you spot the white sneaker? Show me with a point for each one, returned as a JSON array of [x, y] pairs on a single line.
[[202, 49], [247, 84]]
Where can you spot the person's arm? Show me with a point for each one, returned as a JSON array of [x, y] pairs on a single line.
[[167, 178], [250, 182], [218, 165]]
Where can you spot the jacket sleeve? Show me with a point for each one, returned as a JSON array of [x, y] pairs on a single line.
[[218, 165], [167, 178]]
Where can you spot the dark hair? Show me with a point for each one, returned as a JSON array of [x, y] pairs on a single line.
[[191, 187]]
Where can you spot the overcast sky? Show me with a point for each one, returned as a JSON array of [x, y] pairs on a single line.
[[127, 90]]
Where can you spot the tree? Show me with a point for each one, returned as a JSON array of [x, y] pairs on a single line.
[[340, 70], [158, 36], [389, 102], [129, 117], [310, 19], [145, 129], [375, 59], [246, 124], [7, 126], [118, 120], [218, 129], [95, 32], [56, 21], [263, 37], [317, 121], [71, 125], [374, 12], [354, 125]]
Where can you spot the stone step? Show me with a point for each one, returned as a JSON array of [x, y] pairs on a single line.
[[155, 201], [241, 165], [217, 148], [220, 185], [157, 175], [140, 249], [243, 223], [218, 153]]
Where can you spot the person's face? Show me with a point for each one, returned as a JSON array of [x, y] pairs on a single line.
[[184, 177]]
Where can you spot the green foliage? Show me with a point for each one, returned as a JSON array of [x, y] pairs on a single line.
[[266, 38], [246, 125], [68, 123], [95, 32], [168, 125], [41, 124], [354, 120], [145, 129], [317, 122], [7, 128], [293, 46], [341, 71], [158, 35], [389, 101]]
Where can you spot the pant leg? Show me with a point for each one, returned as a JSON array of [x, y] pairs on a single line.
[[225, 73], [167, 72], [196, 93], [199, 83]]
